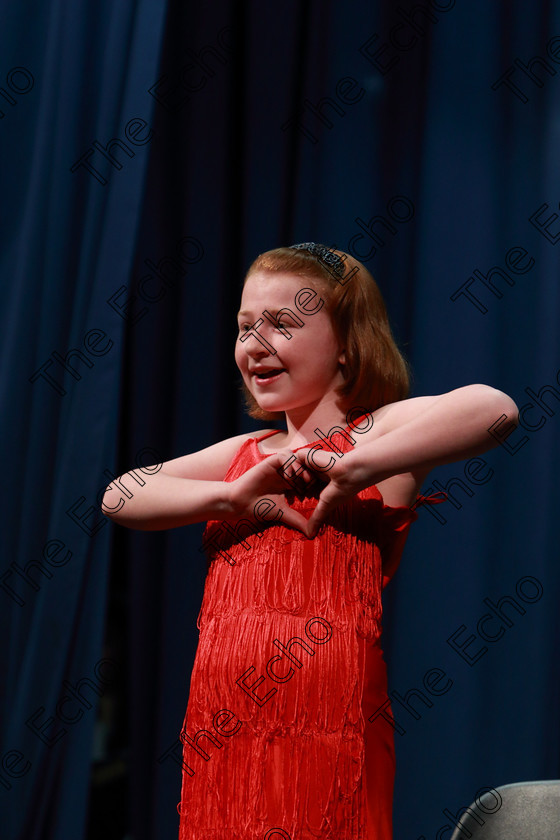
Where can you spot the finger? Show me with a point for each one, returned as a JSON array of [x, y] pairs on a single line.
[[292, 470], [293, 519], [322, 510], [314, 524], [310, 474]]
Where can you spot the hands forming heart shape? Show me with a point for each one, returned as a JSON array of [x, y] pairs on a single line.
[[286, 472]]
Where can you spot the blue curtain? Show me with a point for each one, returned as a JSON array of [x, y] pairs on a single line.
[[150, 151], [76, 117]]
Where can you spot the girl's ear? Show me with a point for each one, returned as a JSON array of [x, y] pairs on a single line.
[[342, 358]]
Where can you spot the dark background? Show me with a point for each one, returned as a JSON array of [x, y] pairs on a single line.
[[244, 126]]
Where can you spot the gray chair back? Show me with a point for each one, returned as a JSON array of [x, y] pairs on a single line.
[[522, 811]]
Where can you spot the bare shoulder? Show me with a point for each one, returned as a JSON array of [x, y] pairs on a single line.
[[211, 463], [476, 399], [389, 417], [393, 415], [398, 490]]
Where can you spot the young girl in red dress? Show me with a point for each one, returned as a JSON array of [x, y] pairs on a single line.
[[288, 731]]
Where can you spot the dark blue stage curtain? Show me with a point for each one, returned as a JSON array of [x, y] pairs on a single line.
[[149, 151], [73, 75]]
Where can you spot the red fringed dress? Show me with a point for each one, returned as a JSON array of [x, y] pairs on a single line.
[[278, 741]]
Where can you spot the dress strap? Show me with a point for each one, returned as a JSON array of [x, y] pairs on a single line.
[[432, 499], [268, 434]]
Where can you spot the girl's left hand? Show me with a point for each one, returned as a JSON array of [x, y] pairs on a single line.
[[344, 479]]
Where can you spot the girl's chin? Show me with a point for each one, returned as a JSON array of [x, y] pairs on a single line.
[[270, 405], [271, 402]]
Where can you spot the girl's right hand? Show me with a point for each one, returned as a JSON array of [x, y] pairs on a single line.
[[259, 494]]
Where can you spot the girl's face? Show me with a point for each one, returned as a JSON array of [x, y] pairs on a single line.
[[287, 374]]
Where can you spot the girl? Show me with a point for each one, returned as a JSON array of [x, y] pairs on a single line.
[[288, 729]]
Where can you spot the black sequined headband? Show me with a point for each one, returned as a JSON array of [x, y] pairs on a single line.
[[331, 260]]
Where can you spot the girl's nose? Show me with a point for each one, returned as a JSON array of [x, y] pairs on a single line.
[[255, 343]]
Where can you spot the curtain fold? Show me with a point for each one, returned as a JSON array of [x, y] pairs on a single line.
[[68, 238]]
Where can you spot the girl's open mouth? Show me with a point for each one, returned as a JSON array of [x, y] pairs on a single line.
[[268, 375]]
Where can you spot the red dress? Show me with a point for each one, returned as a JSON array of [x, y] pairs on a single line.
[[277, 739]]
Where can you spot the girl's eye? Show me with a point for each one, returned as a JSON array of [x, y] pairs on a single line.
[[280, 325]]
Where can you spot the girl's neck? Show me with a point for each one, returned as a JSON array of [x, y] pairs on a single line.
[[301, 425]]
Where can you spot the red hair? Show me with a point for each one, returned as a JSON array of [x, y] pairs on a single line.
[[375, 371]]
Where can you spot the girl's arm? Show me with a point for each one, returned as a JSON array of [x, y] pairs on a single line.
[[184, 490], [418, 435], [191, 489], [165, 501], [411, 437]]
